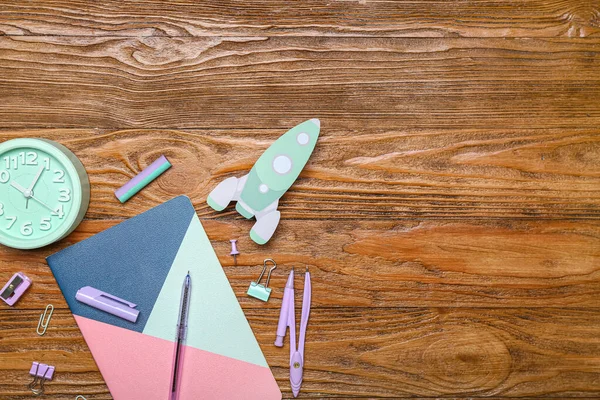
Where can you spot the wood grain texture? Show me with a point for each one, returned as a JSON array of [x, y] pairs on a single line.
[[357, 352], [352, 84], [449, 215], [433, 18], [389, 264], [383, 175]]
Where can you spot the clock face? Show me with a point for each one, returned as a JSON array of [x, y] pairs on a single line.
[[40, 195]]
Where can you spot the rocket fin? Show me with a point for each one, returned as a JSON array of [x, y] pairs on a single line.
[[265, 226], [222, 195], [226, 191]]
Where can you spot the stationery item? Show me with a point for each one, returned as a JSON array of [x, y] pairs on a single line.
[[182, 324], [41, 373], [141, 180], [14, 288], [143, 260], [80, 397], [234, 251], [44, 320], [257, 194], [259, 291], [107, 302], [287, 318], [45, 192]]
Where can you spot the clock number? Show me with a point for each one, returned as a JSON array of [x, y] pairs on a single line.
[[26, 229], [45, 224], [65, 195], [47, 163], [61, 176], [13, 160], [12, 221], [1, 209], [4, 176], [31, 158], [59, 212]]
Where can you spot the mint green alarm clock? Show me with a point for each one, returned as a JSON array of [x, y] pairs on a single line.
[[44, 192]]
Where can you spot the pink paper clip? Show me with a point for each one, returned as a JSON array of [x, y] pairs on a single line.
[[41, 373]]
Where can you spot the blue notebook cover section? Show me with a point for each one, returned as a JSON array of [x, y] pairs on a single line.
[[132, 268]]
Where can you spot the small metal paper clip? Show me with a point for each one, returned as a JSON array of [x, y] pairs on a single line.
[[80, 397], [45, 317], [259, 291], [41, 373]]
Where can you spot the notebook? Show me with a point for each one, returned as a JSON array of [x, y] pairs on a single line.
[[144, 260]]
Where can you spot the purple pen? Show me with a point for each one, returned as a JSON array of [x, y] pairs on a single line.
[[182, 324]]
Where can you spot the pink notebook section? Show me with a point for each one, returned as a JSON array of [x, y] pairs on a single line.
[[138, 367]]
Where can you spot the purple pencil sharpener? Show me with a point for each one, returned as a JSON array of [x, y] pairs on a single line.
[[14, 288]]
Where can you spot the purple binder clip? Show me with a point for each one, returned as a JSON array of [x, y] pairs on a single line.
[[41, 373], [108, 303], [14, 288]]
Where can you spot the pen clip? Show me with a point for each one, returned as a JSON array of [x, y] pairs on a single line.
[[118, 299]]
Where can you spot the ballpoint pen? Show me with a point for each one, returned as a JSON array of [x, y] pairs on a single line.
[[287, 318], [184, 307]]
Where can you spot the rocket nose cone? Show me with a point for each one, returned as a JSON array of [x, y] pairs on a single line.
[[316, 122]]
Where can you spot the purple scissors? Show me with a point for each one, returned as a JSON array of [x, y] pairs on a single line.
[[287, 318]]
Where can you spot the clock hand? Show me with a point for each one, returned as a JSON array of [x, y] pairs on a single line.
[[37, 177], [35, 180], [18, 187], [28, 195], [42, 203], [26, 192]]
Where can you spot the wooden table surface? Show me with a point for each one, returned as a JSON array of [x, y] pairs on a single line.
[[450, 214]]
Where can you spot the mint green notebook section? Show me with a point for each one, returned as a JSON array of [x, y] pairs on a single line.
[[216, 322]]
